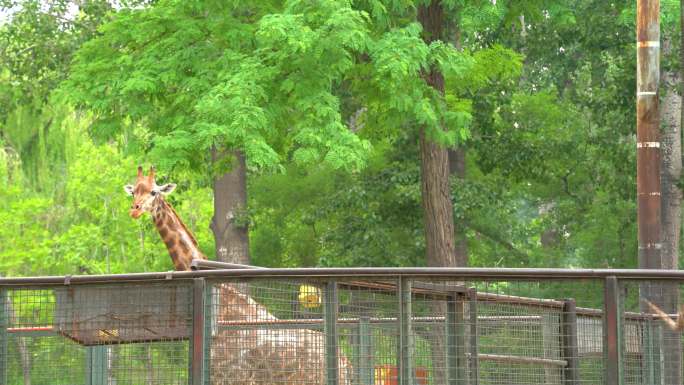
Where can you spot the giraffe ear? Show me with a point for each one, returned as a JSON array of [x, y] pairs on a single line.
[[167, 188], [128, 189]]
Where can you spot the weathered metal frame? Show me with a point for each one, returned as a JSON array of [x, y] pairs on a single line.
[[330, 301], [569, 349], [474, 362], [365, 346], [406, 371], [198, 346], [96, 365], [612, 321], [482, 274], [462, 364]]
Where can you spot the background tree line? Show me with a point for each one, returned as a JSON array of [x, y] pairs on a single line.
[[328, 133]]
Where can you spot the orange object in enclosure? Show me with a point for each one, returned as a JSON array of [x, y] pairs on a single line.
[[388, 375]]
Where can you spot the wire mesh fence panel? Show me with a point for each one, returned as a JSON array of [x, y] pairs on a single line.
[[439, 320], [35, 353], [268, 332], [518, 337], [44, 361], [369, 330], [590, 347], [380, 330], [147, 363], [652, 350], [97, 334]]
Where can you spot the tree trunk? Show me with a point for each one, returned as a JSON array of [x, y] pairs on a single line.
[[457, 159], [457, 168], [437, 208], [670, 200], [671, 168], [549, 236], [230, 202], [436, 195]]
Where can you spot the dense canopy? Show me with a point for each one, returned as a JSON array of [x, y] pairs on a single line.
[[334, 106]]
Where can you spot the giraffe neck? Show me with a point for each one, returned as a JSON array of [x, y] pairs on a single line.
[[178, 239]]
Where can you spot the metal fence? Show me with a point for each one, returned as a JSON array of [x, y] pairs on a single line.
[[339, 326]]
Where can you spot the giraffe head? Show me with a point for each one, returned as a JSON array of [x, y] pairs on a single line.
[[146, 193]]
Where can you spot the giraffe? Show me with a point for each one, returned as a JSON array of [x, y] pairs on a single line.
[[149, 197], [238, 357]]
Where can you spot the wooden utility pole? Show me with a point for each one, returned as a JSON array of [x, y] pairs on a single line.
[[648, 179], [648, 136]]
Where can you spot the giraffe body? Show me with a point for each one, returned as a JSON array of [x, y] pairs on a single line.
[[238, 357]]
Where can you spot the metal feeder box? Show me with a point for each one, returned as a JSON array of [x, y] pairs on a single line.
[[117, 314]]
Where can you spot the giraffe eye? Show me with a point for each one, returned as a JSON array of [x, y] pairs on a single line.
[[153, 193]]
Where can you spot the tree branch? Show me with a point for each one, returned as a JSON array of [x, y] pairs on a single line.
[[498, 239]]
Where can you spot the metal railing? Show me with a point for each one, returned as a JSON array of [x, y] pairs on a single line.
[[369, 326]]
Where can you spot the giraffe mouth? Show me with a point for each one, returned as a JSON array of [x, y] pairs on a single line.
[[135, 214]]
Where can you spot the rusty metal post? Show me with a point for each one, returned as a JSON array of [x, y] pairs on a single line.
[[648, 135], [570, 350], [96, 365], [198, 346], [330, 316], [474, 363], [612, 332], [406, 348], [365, 367]]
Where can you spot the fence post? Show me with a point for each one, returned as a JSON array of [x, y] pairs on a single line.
[[474, 365], [4, 323], [612, 332], [198, 349], [330, 331], [96, 365], [570, 350], [455, 329], [651, 357], [405, 356], [365, 350]]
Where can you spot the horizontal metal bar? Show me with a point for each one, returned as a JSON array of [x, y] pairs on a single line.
[[388, 321], [628, 315], [38, 331], [203, 264], [30, 329], [520, 359], [463, 273], [504, 298]]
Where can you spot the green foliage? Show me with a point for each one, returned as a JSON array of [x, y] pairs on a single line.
[[83, 225], [205, 80], [312, 90]]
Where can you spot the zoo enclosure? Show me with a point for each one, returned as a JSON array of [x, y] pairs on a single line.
[[335, 326]]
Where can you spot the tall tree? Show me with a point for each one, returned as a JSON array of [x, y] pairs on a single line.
[[671, 160], [217, 88], [231, 237], [437, 208], [457, 156], [671, 193]]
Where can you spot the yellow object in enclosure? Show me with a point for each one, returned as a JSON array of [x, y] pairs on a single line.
[[309, 296]]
